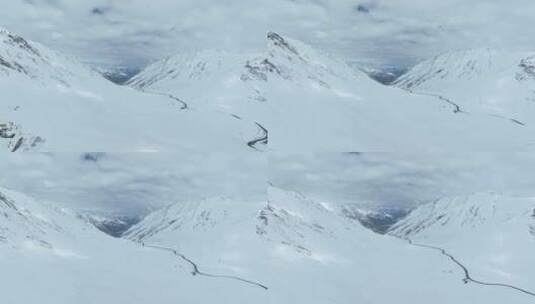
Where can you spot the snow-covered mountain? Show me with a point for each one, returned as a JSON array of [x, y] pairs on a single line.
[[491, 234], [51, 256], [50, 102], [306, 100], [497, 83], [311, 101], [286, 249], [26, 222], [303, 251]]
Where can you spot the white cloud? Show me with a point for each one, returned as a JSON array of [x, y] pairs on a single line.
[[389, 179], [134, 182], [128, 31]]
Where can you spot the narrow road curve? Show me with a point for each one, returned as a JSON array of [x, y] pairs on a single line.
[[516, 121], [456, 108], [467, 277], [196, 270], [263, 139], [183, 104]]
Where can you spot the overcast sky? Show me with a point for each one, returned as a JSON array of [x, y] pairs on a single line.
[[398, 32], [139, 182], [398, 180], [134, 182]]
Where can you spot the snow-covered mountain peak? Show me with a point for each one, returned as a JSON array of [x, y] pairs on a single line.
[[197, 216], [465, 64], [475, 211], [285, 58], [21, 57], [290, 87], [474, 66], [287, 48], [490, 234], [239, 250], [495, 83], [25, 220], [295, 203], [50, 102], [189, 67], [9, 38], [296, 60]]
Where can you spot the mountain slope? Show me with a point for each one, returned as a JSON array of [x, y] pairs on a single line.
[[492, 234], [52, 103], [305, 252], [288, 249], [485, 81], [308, 100], [52, 256]]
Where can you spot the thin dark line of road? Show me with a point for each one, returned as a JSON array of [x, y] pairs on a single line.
[[263, 139], [184, 105], [18, 144], [467, 277], [516, 121], [196, 270], [457, 109]]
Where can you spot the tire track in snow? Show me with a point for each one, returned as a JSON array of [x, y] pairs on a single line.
[[467, 277], [196, 270]]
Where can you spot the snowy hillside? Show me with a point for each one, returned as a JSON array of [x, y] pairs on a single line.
[[26, 222], [286, 249], [308, 100], [497, 83], [54, 256], [491, 234], [52, 103], [321, 254]]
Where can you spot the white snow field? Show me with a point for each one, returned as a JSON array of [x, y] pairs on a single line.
[[222, 240], [50, 102], [491, 234], [307, 252], [308, 100], [483, 81], [285, 249], [304, 99]]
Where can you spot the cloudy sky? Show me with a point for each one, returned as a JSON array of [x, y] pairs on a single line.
[[383, 32], [134, 182], [140, 182], [397, 180]]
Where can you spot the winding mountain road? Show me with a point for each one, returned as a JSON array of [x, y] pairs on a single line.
[[183, 104], [263, 139], [196, 270], [457, 108], [467, 277]]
